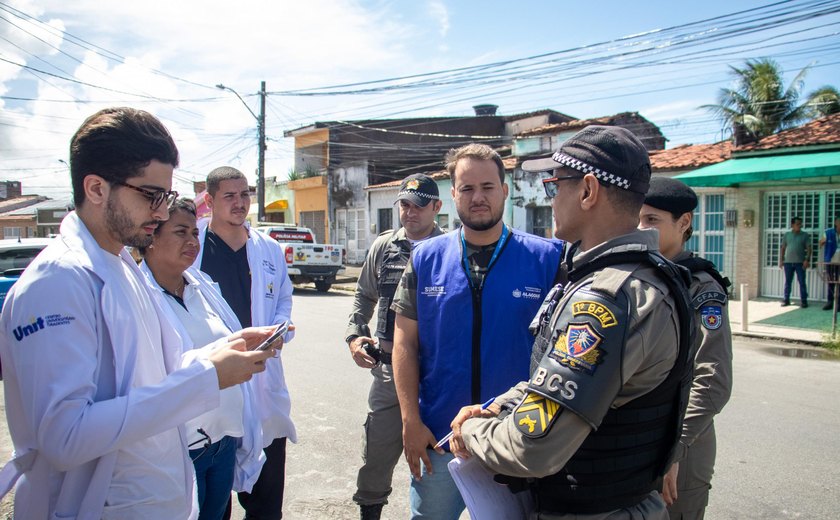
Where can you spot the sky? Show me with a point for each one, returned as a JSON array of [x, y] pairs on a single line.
[[62, 61]]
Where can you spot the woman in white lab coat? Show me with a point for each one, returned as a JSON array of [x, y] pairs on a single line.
[[224, 442]]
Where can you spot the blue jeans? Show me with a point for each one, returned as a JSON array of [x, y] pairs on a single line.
[[436, 496], [214, 477], [799, 269]]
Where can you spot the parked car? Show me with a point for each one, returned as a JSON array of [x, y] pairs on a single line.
[[307, 261], [15, 256]]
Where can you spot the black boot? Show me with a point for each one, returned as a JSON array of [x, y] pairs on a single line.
[[371, 511]]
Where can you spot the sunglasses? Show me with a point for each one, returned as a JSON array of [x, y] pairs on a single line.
[[156, 197], [550, 184]]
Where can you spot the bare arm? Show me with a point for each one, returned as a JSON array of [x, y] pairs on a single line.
[[416, 435]]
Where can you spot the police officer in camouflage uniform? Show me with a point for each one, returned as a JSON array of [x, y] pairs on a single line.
[[668, 207], [419, 203], [592, 432]]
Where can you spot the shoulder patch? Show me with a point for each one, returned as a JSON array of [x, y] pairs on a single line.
[[708, 296], [595, 309], [711, 316], [535, 415], [578, 348]]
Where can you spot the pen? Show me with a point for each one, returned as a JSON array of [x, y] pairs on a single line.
[[450, 434]]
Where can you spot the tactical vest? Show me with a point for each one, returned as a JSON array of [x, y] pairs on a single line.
[[394, 261], [623, 458]]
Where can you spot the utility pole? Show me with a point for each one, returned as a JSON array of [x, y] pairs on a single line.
[[260, 144], [261, 157]]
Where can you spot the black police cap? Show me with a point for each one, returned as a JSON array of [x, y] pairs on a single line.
[[670, 195]]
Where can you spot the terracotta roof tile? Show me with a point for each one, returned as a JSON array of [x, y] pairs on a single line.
[[825, 130], [690, 156]]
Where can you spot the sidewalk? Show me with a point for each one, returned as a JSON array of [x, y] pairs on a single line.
[[766, 318]]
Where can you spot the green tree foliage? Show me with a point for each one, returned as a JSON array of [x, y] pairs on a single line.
[[823, 102], [759, 102]]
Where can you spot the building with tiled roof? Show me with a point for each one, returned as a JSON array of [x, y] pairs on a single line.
[[353, 155], [748, 198]]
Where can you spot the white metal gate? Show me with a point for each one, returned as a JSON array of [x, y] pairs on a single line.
[[817, 210], [352, 233]]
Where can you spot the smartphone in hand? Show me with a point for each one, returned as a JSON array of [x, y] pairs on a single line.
[[275, 336]]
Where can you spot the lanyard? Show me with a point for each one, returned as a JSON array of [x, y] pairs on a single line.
[[496, 251]]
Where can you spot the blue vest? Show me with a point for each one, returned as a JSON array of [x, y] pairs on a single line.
[[830, 244], [454, 321]]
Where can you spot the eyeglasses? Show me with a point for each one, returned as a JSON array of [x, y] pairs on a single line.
[[156, 197], [550, 184]]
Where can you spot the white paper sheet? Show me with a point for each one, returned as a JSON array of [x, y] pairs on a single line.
[[485, 498]]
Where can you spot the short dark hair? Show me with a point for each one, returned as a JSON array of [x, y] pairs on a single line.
[[794, 220], [222, 173], [627, 201], [478, 151], [115, 144], [181, 204]]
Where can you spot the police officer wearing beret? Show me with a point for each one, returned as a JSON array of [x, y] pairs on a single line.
[[668, 207], [592, 432], [419, 203]]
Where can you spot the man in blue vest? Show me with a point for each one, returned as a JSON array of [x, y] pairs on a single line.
[[832, 265], [461, 330]]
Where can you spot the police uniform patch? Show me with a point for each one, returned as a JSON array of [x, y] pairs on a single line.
[[711, 317], [413, 184], [535, 415], [597, 310], [708, 296], [578, 348]]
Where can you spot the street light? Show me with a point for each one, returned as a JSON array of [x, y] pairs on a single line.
[[261, 146]]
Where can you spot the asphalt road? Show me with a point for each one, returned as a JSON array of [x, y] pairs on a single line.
[[778, 442]]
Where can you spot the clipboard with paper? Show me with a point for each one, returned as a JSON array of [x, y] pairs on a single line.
[[485, 498]]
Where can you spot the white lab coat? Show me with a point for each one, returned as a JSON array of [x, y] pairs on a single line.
[[68, 364], [249, 453], [271, 304]]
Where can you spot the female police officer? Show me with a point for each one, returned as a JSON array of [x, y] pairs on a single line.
[[668, 207]]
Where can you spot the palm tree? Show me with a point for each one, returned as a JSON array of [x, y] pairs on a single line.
[[759, 104], [823, 102]]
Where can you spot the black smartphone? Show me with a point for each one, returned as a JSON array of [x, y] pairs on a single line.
[[275, 336]]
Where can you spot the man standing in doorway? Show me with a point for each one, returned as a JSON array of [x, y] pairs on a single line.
[[462, 327], [419, 203], [832, 265], [251, 273], [793, 258]]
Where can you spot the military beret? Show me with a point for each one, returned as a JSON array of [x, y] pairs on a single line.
[[670, 195]]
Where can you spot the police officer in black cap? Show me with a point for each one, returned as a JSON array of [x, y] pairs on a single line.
[[419, 203], [669, 207], [592, 432]]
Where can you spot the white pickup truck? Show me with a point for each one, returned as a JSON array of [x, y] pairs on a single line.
[[307, 261]]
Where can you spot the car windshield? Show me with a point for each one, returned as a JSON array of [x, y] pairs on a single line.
[[18, 258]]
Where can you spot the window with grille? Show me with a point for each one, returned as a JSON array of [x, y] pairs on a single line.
[[385, 219], [708, 223], [538, 221]]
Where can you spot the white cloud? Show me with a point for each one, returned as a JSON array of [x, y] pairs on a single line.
[[289, 45], [440, 13]]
